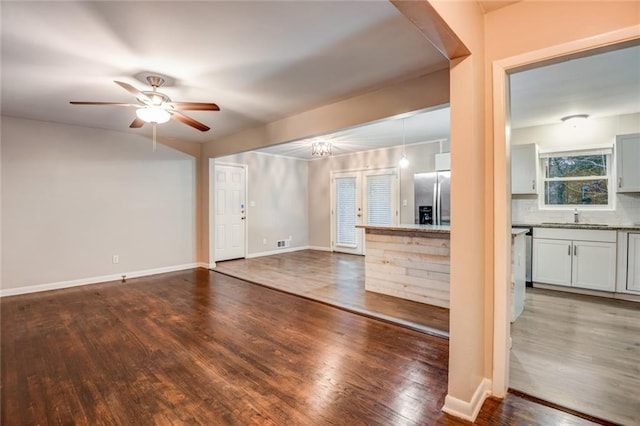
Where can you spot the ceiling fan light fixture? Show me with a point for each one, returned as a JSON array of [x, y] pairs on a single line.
[[153, 114]]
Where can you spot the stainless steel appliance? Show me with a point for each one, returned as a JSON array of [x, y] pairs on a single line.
[[432, 198]]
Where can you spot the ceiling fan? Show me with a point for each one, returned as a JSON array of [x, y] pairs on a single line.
[[156, 107]]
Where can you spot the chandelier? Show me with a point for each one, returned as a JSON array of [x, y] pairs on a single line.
[[321, 148]]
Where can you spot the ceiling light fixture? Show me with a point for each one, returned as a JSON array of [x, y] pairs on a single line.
[[321, 148], [575, 120], [153, 114], [404, 161]]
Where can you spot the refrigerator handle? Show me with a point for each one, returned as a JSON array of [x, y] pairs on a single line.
[[435, 204], [439, 213]]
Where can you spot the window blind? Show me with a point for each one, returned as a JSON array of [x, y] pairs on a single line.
[[379, 200], [346, 210]]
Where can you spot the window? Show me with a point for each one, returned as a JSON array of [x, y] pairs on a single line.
[[380, 199], [346, 211], [577, 178]]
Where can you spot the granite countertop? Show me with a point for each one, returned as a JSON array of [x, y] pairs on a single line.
[[432, 229], [437, 229], [596, 226]]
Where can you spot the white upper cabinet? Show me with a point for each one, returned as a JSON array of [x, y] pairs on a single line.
[[627, 162], [524, 169]]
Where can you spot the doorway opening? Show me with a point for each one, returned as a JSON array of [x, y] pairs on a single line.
[[572, 333]]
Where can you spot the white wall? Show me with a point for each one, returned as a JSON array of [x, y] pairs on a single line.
[[277, 200], [525, 209], [72, 197]]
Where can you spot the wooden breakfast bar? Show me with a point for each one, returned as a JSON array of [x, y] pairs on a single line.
[[409, 261], [414, 262]]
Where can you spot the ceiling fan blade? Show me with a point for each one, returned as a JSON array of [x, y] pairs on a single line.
[[195, 106], [136, 123], [103, 103], [178, 116], [135, 92]]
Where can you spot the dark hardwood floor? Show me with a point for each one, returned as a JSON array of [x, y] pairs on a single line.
[[336, 279], [198, 347]]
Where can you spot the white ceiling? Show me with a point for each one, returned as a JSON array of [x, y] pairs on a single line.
[[424, 126], [600, 85], [258, 60], [261, 61]]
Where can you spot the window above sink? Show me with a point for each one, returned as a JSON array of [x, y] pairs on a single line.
[[578, 178]]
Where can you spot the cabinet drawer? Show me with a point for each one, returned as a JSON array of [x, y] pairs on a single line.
[[575, 234]]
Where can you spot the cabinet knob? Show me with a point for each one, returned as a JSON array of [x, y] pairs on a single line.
[[569, 250], [533, 184], [619, 182], [575, 250]]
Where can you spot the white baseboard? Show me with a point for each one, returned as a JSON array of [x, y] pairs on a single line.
[[96, 280], [319, 248], [468, 410], [279, 251]]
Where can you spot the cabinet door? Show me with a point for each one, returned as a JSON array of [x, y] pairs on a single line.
[[633, 265], [627, 160], [594, 265], [524, 166], [552, 261]]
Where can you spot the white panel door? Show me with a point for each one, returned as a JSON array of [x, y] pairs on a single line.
[[552, 261], [230, 212]]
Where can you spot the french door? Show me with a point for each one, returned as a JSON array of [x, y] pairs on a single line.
[[361, 197]]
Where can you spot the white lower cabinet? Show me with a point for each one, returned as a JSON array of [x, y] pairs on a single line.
[[633, 263], [552, 261], [575, 258], [594, 265]]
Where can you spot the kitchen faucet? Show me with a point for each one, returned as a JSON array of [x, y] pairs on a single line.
[[575, 216]]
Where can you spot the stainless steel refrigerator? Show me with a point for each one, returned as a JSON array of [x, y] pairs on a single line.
[[432, 198]]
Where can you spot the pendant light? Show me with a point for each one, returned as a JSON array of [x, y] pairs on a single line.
[[404, 161]]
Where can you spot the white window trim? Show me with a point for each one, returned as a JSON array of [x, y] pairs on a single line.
[[586, 150]]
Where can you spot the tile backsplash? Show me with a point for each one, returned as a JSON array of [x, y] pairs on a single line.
[[524, 209]]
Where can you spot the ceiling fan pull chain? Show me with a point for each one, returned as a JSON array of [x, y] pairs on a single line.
[[154, 137]]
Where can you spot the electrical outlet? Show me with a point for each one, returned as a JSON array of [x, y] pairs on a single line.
[[115, 258], [264, 241]]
